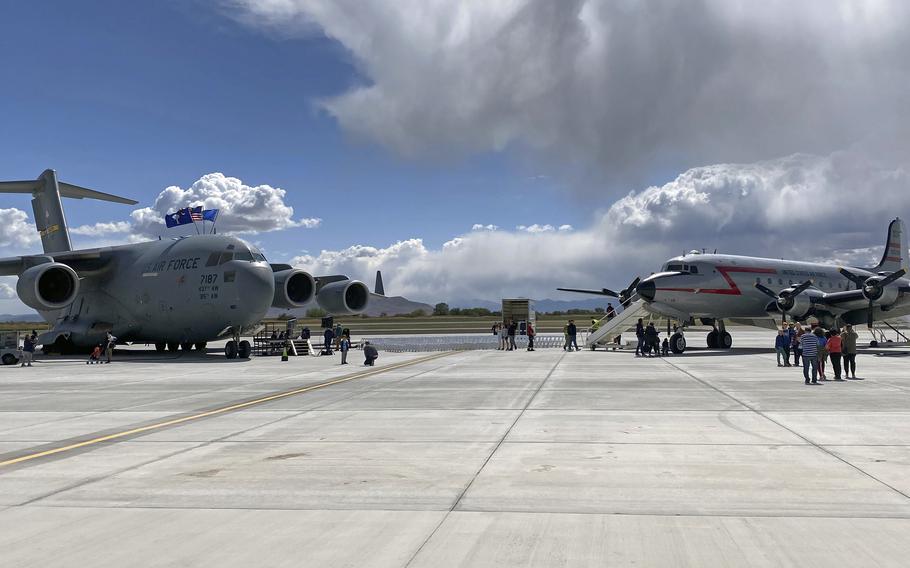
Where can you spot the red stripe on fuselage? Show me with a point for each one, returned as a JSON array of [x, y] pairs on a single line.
[[725, 271]]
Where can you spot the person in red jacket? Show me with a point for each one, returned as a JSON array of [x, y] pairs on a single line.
[[531, 333], [835, 351]]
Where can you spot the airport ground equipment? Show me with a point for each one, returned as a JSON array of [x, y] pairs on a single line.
[[176, 293], [521, 311], [10, 347]]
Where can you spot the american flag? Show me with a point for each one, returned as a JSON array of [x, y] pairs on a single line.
[[196, 213]]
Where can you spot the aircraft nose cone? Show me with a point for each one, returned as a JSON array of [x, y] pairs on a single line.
[[646, 290]]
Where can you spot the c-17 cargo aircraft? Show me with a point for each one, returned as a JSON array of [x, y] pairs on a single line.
[[712, 288], [174, 293]]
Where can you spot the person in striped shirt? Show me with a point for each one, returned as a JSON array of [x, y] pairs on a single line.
[[809, 344]]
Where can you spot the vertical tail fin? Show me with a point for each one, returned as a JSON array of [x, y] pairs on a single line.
[[48, 209], [379, 288], [895, 256]]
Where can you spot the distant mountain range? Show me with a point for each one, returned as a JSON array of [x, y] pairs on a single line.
[[10, 318], [388, 305], [546, 305]]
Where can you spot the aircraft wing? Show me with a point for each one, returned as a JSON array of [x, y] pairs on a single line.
[[11, 266], [81, 261]]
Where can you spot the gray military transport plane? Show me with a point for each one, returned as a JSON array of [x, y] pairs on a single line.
[[175, 293], [712, 288]]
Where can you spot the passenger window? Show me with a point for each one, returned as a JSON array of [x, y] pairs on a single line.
[[780, 281], [229, 275]]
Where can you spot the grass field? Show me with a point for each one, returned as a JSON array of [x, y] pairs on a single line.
[[436, 324]]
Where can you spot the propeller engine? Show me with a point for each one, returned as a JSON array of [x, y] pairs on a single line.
[[624, 296], [875, 289], [790, 300]]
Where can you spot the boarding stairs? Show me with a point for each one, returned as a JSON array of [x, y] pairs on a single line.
[[609, 329]]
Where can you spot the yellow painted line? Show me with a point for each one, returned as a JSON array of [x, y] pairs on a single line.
[[216, 411]]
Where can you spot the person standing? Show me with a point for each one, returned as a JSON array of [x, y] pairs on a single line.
[[110, 342], [503, 336], [835, 349], [780, 344], [345, 345], [652, 340], [573, 335], [640, 334], [822, 352], [797, 348], [789, 333], [611, 313], [513, 328], [28, 350], [565, 337], [808, 343], [338, 333], [848, 347], [328, 335], [531, 333]]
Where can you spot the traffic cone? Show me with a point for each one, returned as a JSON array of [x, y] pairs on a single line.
[[284, 353]]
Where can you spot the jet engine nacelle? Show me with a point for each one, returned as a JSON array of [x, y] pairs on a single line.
[[49, 286], [293, 288], [344, 297]]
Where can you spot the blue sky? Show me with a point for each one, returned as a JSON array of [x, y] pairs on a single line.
[[131, 97], [648, 127]]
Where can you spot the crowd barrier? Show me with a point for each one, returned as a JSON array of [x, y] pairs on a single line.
[[421, 343]]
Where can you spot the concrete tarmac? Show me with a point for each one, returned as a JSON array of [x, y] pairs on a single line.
[[485, 458]]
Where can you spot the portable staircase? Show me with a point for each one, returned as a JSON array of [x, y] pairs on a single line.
[[623, 322]]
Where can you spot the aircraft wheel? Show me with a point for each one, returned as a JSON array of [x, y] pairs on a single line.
[[712, 339], [160, 347], [244, 350], [9, 359], [186, 346], [200, 346], [677, 343], [230, 349], [726, 340], [873, 343]]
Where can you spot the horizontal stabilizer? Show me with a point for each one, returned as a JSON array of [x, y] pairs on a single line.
[[76, 192], [66, 190]]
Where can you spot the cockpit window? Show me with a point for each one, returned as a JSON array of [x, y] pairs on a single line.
[[693, 269], [243, 255], [674, 268], [225, 257], [259, 257]]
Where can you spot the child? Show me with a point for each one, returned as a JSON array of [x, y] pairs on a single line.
[[345, 345], [665, 347], [95, 357]]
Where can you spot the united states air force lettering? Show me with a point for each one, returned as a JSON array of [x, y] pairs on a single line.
[[173, 264]]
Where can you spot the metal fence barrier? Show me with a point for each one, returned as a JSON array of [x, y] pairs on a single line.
[[421, 343]]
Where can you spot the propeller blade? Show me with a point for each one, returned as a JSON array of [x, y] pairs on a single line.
[[801, 288], [892, 277], [855, 278], [631, 287], [869, 319], [765, 290]]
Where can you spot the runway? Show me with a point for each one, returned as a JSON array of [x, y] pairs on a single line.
[[466, 459]]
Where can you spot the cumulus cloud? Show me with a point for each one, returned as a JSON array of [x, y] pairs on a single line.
[[7, 292], [617, 88], [833, 208], [102, 229], [15, 229], [480, 227], [243, 208]]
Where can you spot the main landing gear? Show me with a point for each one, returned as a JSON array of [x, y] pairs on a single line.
[[719, 338], [236, 348]]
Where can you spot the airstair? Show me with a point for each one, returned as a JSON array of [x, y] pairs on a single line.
[[624, 321]]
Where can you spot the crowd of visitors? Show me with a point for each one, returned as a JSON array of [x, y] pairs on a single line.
[[815, 346]]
